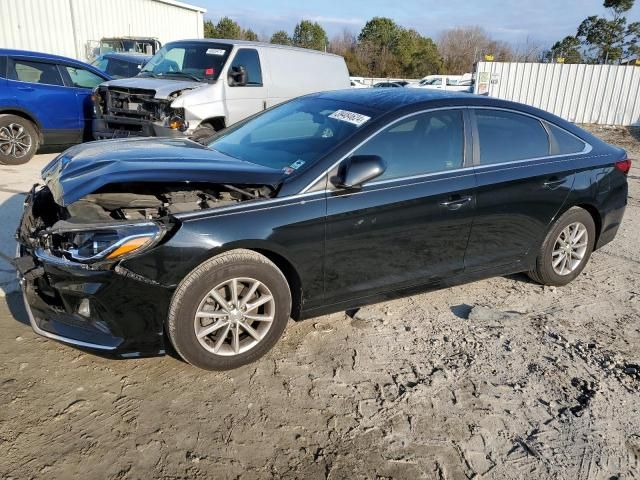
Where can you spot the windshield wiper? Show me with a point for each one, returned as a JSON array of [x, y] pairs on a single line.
[[148, 73], [193, 77]]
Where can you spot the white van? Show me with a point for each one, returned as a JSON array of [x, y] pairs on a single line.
[[196, 87]]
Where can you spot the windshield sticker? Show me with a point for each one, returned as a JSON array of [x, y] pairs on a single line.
[[356, 119], [216, 51]]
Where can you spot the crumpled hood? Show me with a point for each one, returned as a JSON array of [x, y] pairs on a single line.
[[162, 86], [85, 168]]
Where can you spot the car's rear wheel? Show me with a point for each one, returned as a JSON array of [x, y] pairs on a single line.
[[229, 311], [18, 140], [566, 248]]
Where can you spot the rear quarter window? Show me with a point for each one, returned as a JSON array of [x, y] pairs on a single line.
[[565, 142], [3, 67], [508, 136]]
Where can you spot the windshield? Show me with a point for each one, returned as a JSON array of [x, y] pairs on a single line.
[[293, 136], [197, 61]]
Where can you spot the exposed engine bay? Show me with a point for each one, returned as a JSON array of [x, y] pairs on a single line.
[[140, 201], [69, 232]]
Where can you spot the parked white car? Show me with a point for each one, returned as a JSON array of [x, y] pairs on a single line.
[[358, 83], [455, 83], [197, 87]]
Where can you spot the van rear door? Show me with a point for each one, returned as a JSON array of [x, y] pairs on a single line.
[[244, 98]]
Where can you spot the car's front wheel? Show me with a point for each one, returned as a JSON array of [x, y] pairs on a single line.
[[18, 140], [229, 311], [566, 248]]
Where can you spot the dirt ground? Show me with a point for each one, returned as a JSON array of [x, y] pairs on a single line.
[[497, 379]]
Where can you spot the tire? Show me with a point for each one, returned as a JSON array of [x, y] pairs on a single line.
[[19, 140], [203, 133], [549, 268], [194, 296]]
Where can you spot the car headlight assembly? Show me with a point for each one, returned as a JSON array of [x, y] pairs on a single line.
[[110, 242]]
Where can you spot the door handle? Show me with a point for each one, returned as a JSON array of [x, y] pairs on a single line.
[[455, 203], [26, 89]]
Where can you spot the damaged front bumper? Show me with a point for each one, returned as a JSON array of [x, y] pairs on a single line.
[[104, 309]]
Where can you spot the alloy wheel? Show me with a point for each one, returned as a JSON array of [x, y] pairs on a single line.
[[570, 248], [15, 141], [234, 316]]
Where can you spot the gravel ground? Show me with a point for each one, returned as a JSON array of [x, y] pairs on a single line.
[[497, 379]]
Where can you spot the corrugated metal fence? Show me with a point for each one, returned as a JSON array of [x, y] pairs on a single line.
[[603, 94]]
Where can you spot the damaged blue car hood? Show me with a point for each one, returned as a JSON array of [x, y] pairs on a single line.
[[86, 168]]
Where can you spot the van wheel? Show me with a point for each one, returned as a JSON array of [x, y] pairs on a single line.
[[18, 140], [566, 248], [203, 133], [229, 311]]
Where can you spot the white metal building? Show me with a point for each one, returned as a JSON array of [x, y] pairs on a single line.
[[69, 27]]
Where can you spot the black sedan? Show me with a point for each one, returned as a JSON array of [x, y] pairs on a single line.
[[325, 203]]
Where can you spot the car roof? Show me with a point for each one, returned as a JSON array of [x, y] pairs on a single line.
[[55, 58], [389, 100], [47, 56], [128, 56]]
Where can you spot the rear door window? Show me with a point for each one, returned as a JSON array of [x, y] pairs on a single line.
[[249, 59], [3, 67], [566, 143], [82, 78], [36, 72], [508, 136], [425, 143]]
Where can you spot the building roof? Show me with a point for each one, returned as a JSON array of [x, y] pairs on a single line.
[[182, 5]]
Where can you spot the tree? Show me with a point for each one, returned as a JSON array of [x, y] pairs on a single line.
[[529, 51], [418, 56], [250, 35], [610, 39], [227, 28], [310, 35], [381, 32], [462, 47], [568, 48], [281, 38], [389, 50], [209, 29]]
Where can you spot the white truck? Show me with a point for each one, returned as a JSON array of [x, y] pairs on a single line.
[[196, 87]]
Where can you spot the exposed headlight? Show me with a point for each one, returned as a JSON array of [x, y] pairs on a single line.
[[110, 242]]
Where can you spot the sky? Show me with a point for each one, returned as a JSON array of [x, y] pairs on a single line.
[[544, 21]]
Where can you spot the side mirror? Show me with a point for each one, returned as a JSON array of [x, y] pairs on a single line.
[[238, 76], [357, 170]]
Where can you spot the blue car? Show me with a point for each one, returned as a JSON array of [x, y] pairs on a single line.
[[44, 100], [121, 65]]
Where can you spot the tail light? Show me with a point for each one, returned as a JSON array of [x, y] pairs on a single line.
[[624, 165]]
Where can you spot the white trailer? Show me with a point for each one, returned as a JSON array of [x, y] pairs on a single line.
[[73, 28]]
